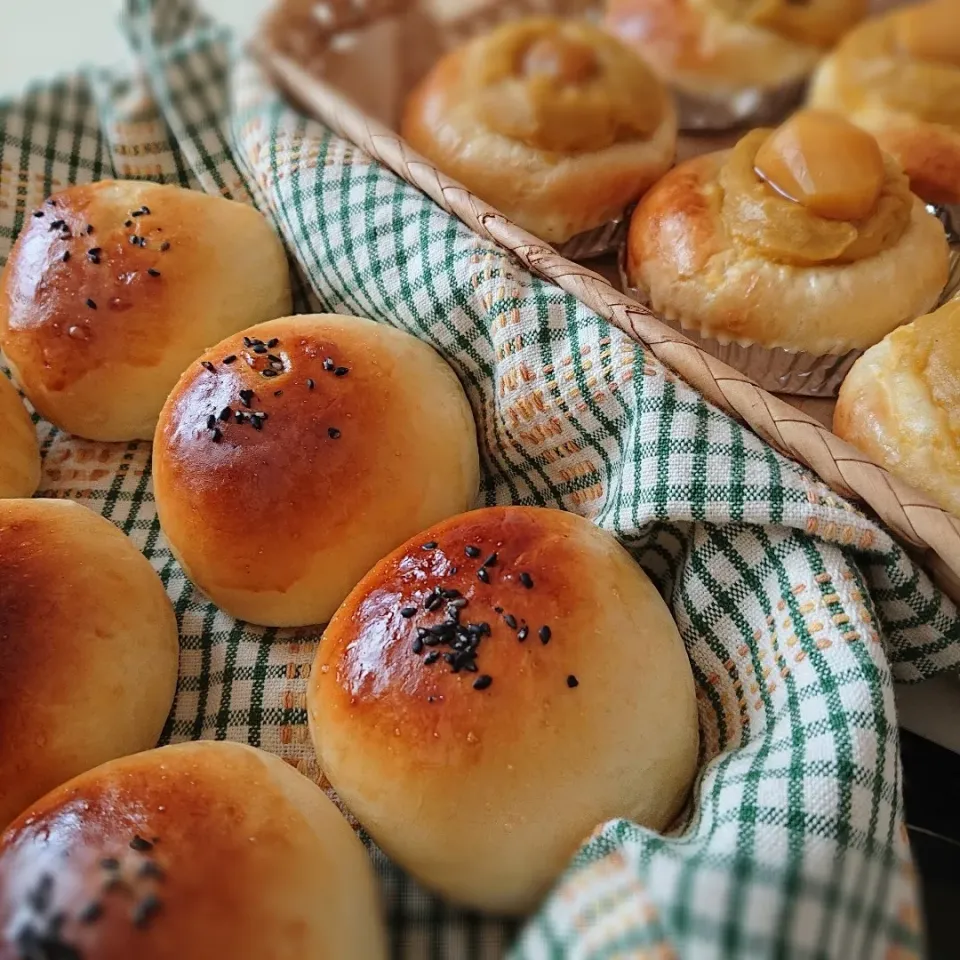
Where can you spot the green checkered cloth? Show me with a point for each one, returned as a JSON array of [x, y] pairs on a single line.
[[798, 613]]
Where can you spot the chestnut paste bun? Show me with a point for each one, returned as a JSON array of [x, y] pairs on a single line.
[[20, 452], [201, 851], [493, 691], [88, 648], [112, 288], [290, 458]]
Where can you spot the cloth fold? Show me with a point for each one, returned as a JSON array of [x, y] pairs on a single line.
[[798, 612]]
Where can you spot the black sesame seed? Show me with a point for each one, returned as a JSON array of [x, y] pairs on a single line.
[[482, 682], [225, 414], [408, 612], [135, 240], [340, 372], [453, 570], [545, 633], [333, 433], [145, 910], [572, 681], [66, 256], [91, 912], [259, 347], [432, 657], [145, 210], [418, 645], [94, 254], [92, 304], [450, 594], [57, 224], [328, 364], [511, 621], [89, 228], [472, 552], [246, 396], [153, 273], [238, 416], [110, 863], [310, 383], [272, 342], [38, 213], [128, 223], [256, 422], [150, 868], [231, 359], [39, 897], [523, 633], [491, 561], [165, 246], [137, 213], [432, 545], [526, 580], [207, 365], [273, 358], [211, 422], [278, 393], [483, 576], [457, 604], [217, 435], [269, 373], [432, 602]]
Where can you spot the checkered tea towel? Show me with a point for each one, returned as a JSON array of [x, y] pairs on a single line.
[[798, 613]]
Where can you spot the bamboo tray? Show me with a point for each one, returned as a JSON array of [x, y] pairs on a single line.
[[350, 63]]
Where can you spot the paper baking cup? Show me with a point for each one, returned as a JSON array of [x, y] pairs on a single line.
[[596, 242], [773, 368], [702, 113]]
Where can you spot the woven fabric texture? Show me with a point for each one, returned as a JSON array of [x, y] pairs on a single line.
[[797, 611]]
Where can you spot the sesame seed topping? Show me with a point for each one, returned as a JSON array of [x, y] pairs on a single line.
[[92, 304], [57, 224], [340, 372], [140, 845], [272, 342], [526, 580], [333, 433], [310, 383], [89, 229], [523, 633], [511, 621], [572, 681], [246, 396], [94, 254], [91, 912], [482, 682], [418, 645], [491, 561], [269, 373], [153, 273], [211, 422], [483, 576], [38, 213], [165, 246], [225, 414], [432, 545], [128, 223], [39, 897], [472, 552], [135, 240], [256, 422], [238, 416], [231, 359], [217, 435], [328, 364], [207, 365], [408, 612], [259, 347], [278, 393], [432, 657], [145, 910], [66, 256], [137, 213], [545, 633]]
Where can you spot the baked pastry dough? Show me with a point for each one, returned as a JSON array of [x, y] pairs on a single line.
[[898, 76], [553, 122], [716, 47], [721, 251], [900, 404]]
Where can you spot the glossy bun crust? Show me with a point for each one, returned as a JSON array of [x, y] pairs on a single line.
[[20, 453], [483, 782], [554, 123], [112, 288], [723, 46], [277, 517], [685, 257], [900, 404], [88, 648], [196, 851], [898, 76]]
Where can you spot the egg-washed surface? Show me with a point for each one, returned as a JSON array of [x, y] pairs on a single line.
[[797, 612]]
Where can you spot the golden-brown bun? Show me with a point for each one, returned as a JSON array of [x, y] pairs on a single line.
[[97, 328], [910, 103], [900, 404], [88, 648], [483, 784], [684, 256], [559, 154], [196, 852], [20, 453], [712, 47], [370, 439]]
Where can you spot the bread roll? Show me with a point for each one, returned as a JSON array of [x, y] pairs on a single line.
[[88, 648], [112, 288], [556, 124], [900, 404], [290, 458], [195, 852], [20, 452], [480, 754]]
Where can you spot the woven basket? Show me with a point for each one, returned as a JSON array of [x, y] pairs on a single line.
[[324, 53]]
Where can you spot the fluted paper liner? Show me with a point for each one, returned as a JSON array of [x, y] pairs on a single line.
[[850, 473]]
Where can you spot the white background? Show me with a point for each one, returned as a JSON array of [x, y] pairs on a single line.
[[43, 38]]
